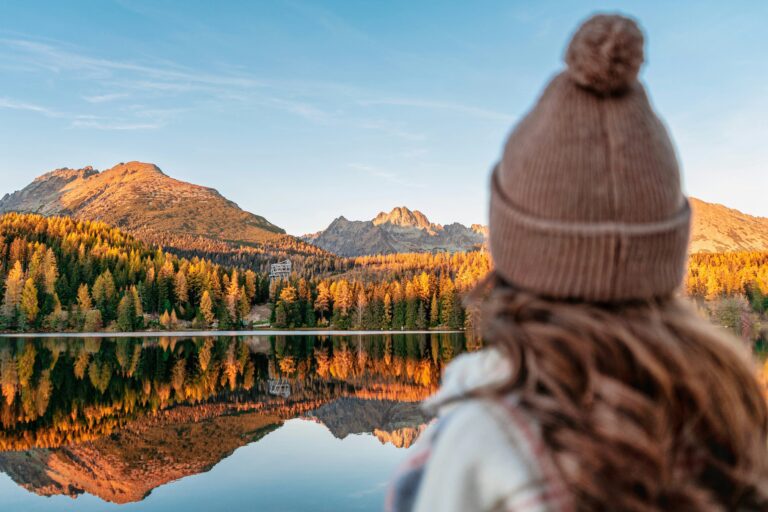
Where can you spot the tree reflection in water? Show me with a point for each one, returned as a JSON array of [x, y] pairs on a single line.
[[118, 417]]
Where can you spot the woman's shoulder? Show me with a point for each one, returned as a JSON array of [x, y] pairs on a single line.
[[483, 452], [470, 374]]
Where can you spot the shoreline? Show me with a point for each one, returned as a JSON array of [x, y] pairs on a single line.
[[180, 334]]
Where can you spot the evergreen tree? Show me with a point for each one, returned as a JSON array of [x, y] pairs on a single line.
[[104, 293], [387, 319], [206, 309], [14, 286], [323, 301], [29, 303], [244, 306], [84, 298], [126, 313], [434, 311]]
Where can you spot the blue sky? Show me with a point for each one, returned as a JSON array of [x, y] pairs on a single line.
[[305, 110]]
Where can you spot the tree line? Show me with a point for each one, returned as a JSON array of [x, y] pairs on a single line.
[[736, 274], [57, 274], [391, 292], [61, 274]]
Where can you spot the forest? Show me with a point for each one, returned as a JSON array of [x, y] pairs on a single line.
[[59, 274]]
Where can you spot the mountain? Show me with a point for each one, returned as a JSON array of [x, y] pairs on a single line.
[[717, 228], [139, 198], [147, 453], [400, 230], [126, 466], [391, 421]]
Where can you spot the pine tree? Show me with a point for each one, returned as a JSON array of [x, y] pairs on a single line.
[[360, 309], [281, 318], [29, 304], [14, 286], [250, 285], [244, 307], [165, 320], [387, 323], [447, 303], [342, 303], [233, 290], [180, 287], [84, 298], [434, 311], [50, 272], [323, 300], [206, 308], [126, 313], [138, 308], [104, 292], [421, 317]]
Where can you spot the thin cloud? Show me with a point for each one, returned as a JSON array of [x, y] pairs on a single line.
[[329, 21], [384, 175], [105, 98], [440, 105], [393, 130], [96, 124], [299, 108], [318, 102], [56, 59], [8, 103]]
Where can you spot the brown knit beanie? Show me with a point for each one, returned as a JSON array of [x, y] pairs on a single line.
[[586, 202]]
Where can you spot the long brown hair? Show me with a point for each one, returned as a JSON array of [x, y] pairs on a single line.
[[644, 406]]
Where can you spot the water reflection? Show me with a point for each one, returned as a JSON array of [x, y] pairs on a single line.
[[116, 418]]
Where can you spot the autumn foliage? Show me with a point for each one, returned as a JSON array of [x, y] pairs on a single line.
[[101, 383], [57, 273]]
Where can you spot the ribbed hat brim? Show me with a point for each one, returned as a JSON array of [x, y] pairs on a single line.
[[596, 262]]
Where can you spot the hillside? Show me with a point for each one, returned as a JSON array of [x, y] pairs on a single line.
[[400, 230], [139, 198], [57, 273], [717, 228]]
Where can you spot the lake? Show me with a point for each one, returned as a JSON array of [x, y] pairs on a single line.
[[205, 423]]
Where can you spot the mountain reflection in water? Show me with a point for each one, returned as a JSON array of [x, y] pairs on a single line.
[[117, 418]]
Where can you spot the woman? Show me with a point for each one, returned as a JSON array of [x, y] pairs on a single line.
[[601, 389]]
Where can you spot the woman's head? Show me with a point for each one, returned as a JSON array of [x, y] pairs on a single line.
[[643, 405], [586, 200]]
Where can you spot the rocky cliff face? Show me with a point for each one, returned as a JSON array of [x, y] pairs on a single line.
[[139, 198], [400, 230]]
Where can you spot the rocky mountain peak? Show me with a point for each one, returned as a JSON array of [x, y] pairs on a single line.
[[403, 217], [400, 230], [135, 167], [67, 174]]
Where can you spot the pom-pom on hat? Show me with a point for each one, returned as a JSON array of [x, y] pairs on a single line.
[[605, 54], [586, 201]]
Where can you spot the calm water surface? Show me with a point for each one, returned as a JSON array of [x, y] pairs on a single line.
[[263, 423]]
